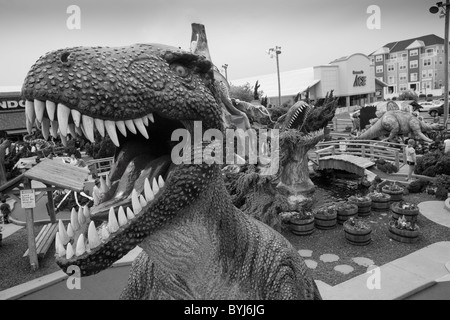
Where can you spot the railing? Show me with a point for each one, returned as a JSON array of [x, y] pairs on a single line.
[[372, 149], [100, 167]]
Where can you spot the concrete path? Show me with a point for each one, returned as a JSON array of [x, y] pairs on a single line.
[[398, 279], [436, 211]]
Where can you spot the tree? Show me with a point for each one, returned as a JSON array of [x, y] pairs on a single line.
[[245, 92], [408, 95]]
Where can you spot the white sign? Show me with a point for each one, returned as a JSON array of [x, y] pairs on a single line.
[[27, 199]]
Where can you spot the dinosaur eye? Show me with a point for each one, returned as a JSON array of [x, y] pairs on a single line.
[[181, 71]]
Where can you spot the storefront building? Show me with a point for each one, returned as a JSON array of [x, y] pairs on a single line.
[[351, 78], [12, 114]]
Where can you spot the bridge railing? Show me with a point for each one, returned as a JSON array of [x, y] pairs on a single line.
[[100, 167], [393, 152]]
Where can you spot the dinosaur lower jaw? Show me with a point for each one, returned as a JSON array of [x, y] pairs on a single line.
[[137, 184]]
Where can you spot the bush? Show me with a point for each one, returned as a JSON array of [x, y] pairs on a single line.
[[386, 166], [418, 185], [433, 164], [441, 193]]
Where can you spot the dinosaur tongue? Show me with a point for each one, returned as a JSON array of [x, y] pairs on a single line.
[[133, 177]]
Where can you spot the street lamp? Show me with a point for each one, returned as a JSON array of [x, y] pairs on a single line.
[[225, 66], [444, 13], [277, 51]]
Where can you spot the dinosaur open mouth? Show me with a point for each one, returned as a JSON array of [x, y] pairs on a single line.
[[137, 180]]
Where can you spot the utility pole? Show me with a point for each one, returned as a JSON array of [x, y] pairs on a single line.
[[225, 66], [277, 51]]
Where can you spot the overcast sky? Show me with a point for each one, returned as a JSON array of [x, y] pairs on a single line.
[[309, 32]]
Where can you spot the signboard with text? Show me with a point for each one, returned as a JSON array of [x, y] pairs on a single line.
[[27, 199], [11, 103]]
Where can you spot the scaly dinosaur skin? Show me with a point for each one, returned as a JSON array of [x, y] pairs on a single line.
[[394, 123], [196, 244]]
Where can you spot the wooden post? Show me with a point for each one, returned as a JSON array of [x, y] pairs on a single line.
[[51, 205], [397, 159], [363, 151], [32, 253]]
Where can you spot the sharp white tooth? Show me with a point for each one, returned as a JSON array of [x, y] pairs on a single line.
[[88, 126], [141, 127], [63, 118], [69, 251], [39, 109], [70, 231], [130, 125], [29, 126], [86, 212], [51, 108], [160, 182], [63, 233], [151, 118], [81, 248], [79, 131], [100, 125], [59, 246], [105, 233], [103, 187], [122, 217], [74, 219], [54, 129], [95, 195], [93, 238], [130, 214], [45, 128], [76, 116], [108, 182], [135, 202], [145, 121], [63, 140], [155, 186], [113, 226], [149, 196], [71, 128], [29, 111], [81, 217], [142, 201], [121, 126], [111, 129], [37, 124]]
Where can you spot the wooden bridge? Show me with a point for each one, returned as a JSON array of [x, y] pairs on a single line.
[[357, 156]]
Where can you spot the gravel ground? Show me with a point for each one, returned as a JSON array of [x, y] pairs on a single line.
[[14, 269], [381, 250]]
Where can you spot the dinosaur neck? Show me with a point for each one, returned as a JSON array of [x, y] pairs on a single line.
[[191, 239]]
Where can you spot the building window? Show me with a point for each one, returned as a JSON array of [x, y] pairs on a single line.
[[403, 77], [379, 58], [413, 53], [440, 60], [426, 62], [413, 64], [402, 66], [430, 73], [424, 73], [404, 56], [414, 76], [403, 87], [391, 67], [379, 69], [426, 85], [391, 80], [430, 52]]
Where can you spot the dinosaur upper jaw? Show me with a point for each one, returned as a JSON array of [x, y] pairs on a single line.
[[139, 195]]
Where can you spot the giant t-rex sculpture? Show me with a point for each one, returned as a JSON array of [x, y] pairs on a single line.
[[196, 244], [394, 123]]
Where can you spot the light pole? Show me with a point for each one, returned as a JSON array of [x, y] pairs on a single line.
[[444, 13], [277, 51], [225, 66]]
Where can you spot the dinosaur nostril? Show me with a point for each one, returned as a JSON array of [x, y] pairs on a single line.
[[65, 57]]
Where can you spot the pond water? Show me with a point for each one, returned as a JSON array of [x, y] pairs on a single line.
[[335, 187]]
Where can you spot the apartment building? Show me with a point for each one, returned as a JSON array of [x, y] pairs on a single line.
[[415, 64]]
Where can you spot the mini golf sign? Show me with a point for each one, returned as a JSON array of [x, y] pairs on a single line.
[[27, 199]]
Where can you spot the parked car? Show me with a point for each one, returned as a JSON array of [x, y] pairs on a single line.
[[425, 106], [438, 109]]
